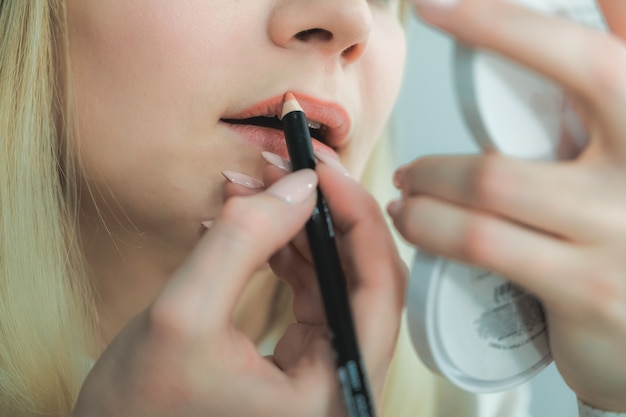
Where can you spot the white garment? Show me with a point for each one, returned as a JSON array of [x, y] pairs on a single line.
[[586, 411], [514, 403]]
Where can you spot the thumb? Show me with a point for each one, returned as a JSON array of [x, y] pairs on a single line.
[[585, 61], [615, 16]]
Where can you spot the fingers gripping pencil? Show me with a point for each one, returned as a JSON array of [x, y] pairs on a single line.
[[331, 279]]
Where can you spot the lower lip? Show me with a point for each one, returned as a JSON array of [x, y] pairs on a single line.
[[273, 140]]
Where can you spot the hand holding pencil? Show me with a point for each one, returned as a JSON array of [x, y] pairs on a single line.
[[330, 275], [217, 369]]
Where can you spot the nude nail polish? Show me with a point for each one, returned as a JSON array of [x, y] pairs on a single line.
[[242, 179], [332, 162], [295, 187], [442, 5], [394, 207], [277, 160], [398, 176]]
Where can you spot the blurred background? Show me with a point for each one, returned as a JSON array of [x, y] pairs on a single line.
[[427, 121]]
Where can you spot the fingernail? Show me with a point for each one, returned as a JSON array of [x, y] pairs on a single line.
[[277, 160], [398, 177], [332, 162], [441, 6], [295, 187], [207, 224], [242, 179], [394, 208]]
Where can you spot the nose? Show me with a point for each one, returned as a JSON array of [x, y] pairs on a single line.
[[336, 28]]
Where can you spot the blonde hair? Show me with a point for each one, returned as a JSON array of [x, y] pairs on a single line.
[[43, 315]]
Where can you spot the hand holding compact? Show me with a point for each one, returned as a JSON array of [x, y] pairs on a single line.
[[556, 229]]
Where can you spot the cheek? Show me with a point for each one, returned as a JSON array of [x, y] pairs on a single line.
[[140, 87], [382, 79], [140, 69], [386, 60]]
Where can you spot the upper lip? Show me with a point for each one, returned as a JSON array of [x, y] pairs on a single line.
[[333, 117]]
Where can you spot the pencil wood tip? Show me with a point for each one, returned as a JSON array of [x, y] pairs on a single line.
[[290, 104]]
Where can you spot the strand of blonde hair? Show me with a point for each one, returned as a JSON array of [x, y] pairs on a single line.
[[42, 317]]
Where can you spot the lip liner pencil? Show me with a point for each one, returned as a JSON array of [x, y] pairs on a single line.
[[331, 279]]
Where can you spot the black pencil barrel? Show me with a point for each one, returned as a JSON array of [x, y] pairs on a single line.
[[331, 279]]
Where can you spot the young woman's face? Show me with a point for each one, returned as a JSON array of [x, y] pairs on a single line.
[[155, 81]]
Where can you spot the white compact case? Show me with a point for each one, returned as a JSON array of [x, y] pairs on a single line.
[[471, 326]]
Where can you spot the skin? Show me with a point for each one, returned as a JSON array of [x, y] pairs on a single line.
[[151, 81], [180, 306], [499, 213]]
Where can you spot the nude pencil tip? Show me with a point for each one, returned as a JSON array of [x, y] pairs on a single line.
[[290, 104]]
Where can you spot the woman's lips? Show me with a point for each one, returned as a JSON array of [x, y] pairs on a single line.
[[334, 119], [272, 140]]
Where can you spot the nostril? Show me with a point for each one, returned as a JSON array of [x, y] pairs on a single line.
[[349, 50], [314, 34], [353, 52]]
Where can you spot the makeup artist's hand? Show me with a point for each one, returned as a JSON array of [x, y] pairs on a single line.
[[557, 229], [184, 357], [363, 250]]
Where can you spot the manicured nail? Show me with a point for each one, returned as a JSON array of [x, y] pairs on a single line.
[[398, 177], [394, 207], [277, 160], [242, 179], [442, 5], [332, 162], [207, 224], [295, 187]]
